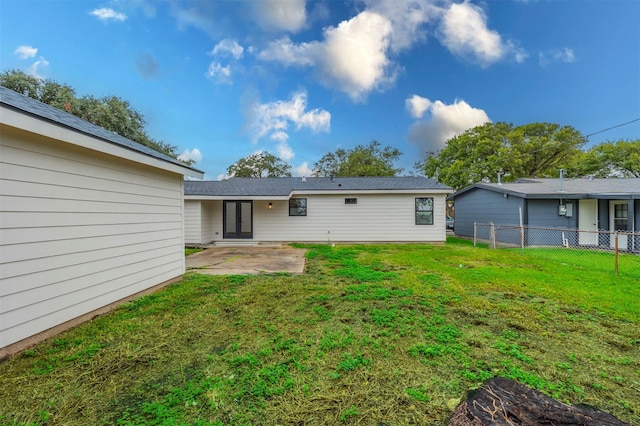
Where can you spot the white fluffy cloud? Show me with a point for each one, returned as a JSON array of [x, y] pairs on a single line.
[[417, 105], [108, 14], [407, 17], [224, 48], [445, 122], [191, 155], [37, 67], [273, 119], [280, 15], [284, 151], [218, 73], [288, 53], [227, 47], [464, 31], [355, 55], [556, 55], [302, 170], [352, 57], [25, 52]]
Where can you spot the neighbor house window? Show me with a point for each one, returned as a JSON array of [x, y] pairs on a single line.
[[424, 211], [297, 207], [351, 201], [621, 217]]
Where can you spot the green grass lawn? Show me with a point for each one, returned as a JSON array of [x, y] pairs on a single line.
[[191, 250], [375, 334]]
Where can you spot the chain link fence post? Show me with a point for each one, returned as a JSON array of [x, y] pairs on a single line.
[[616, 251], [492, 236], [474, 233]]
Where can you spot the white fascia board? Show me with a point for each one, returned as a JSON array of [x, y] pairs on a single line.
[[372, 191], [28, 123], [238, 197]]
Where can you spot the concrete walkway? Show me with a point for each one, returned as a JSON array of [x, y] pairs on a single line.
[[247, 260]]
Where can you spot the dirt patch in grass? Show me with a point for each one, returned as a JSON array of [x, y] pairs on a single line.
[[369, 335]]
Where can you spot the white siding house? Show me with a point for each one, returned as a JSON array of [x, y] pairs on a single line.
[[367, 209], [87, 219]]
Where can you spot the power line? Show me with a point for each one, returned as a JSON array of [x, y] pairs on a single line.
[[612, 127]]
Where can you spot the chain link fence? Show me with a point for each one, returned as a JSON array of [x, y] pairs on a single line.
[[617, 251]]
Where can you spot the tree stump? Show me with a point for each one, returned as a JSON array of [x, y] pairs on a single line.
[[505, 402]]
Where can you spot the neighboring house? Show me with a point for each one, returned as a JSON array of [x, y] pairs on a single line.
[[87, 219], [340, 209], [582, 204]]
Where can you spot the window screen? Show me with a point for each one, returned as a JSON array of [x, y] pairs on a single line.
[[424, 211]]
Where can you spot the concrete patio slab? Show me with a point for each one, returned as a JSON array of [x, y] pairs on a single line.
[[247, 260]]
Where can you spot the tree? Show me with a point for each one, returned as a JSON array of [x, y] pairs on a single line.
[[22, 83], [262, 164], [363, 160], [530, 150], [109, 112], [611, 159]]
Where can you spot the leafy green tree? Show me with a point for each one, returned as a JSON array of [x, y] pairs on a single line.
[[260, 165], [57, 95], [611, 159], [530, 150], [110, 112], [363, 160], [22, 83]]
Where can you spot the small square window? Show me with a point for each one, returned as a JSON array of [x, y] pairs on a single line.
[[424, 211], [297, 207], [351, 201]]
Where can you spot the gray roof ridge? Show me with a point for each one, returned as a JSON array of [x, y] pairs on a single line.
[[288, 185]]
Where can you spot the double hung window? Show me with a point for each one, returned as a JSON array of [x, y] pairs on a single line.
[[424, 211]]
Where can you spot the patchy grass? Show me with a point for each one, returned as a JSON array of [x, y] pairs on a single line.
[[191, 250], [391, 334]]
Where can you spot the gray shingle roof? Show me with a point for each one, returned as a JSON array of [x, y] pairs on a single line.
[[554, 188], [285, 186], [38, 109]]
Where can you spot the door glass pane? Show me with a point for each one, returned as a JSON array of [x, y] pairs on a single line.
[[245, 215], [230, 222]]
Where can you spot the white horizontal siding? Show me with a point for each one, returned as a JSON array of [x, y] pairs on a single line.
[[46, 314], [376, 217], [72, 256], [192, 222], [79, 230], [208, 220]]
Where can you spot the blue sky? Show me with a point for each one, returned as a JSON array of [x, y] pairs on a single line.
[[225, 79]]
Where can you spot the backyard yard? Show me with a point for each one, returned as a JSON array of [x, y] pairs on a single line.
[[370, 334]]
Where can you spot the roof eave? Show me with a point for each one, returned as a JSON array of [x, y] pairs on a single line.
[[369, 191], [196, 197], [31, 123]]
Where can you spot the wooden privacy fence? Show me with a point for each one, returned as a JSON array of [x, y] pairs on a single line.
[[571, 240]]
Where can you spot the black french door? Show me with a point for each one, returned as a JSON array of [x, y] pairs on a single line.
[[238, 219]]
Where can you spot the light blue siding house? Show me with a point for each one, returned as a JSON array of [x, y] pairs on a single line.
[[582, 204]]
